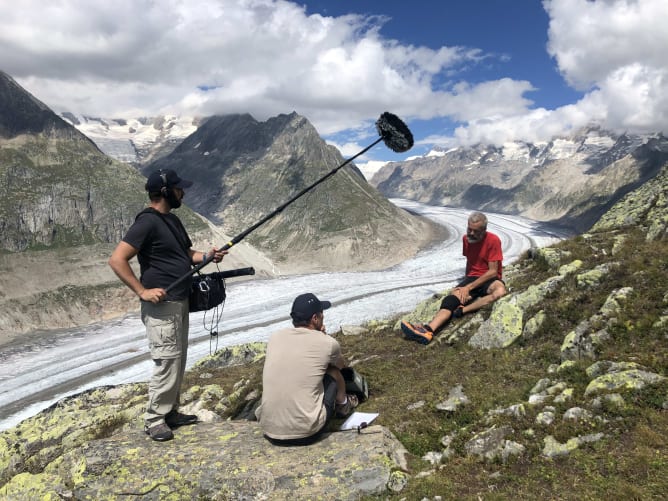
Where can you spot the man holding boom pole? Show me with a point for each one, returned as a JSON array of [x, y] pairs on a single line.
[[165, 254]]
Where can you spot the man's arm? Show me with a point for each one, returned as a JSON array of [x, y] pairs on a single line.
[[340, 362], [464, 293], [197, 257], [120, 263]]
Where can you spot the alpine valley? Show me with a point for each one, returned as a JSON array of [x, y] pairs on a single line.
[[65, 205]]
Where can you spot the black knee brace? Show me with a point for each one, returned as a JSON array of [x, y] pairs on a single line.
[[450, 303]]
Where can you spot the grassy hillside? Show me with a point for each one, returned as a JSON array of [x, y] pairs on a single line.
[[407, 382]]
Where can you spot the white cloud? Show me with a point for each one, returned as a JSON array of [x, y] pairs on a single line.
[[265, 57], [259, 56], [615, 50], [370, 168], [592, 40]]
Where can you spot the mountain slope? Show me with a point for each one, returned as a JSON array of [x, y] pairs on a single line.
[[244, 169], [568, 181], [22, 113], [57, 188]]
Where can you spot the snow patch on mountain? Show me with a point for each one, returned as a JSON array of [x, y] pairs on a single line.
[[134, 140]]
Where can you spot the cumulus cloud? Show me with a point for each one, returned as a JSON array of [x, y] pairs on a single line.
[[265, 57], [613, 51], [617, 50], [221, 56]]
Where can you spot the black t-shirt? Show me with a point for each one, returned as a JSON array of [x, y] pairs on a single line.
[[163, 256]]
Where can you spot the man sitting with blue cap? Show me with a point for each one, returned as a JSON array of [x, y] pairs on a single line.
[[302, 384]]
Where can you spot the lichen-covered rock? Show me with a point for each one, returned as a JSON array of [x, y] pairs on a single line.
[[398, 480], [612, 305], [646, 207], [566, 366], [456, 398], [592, 278], [625, 380], [550, 255], [69, 423], [545, 418], [570, 268], [27, 487], [515, 410], [541, 386], [491, 444], [501, 329], [576, 345], [578, 414], [607, 366], [233, 356], [552, 448], [534, 294], [230, 460], [532, 325], [433, 457], [611, 401], [565, 396]]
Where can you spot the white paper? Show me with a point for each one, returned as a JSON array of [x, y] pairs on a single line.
[[361, 419]]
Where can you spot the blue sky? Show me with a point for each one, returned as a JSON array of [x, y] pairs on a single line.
[[458, 72], [512, 35], [513, 32]]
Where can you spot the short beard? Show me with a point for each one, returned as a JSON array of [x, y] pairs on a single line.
[[172, 200]]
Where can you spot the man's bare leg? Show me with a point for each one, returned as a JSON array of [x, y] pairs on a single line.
[[439, 320], [495, 291]]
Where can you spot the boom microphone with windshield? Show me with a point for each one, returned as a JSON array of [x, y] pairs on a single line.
[[393, 132]]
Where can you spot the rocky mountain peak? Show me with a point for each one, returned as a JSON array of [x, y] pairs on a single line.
[[22, 113], [59, 189], [244, 169]]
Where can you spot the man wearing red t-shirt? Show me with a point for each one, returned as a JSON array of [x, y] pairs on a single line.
[[481, 286]]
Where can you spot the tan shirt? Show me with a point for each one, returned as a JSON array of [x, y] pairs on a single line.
[[292, 389]]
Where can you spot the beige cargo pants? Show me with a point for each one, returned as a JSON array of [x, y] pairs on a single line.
[[167, 331]]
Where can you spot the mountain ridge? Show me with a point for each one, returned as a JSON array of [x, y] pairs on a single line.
[[243, 170], [568, 181]]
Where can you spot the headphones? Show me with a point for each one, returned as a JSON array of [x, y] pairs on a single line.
[[163, 189]]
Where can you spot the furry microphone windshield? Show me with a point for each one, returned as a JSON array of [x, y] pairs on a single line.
[[395, 134]]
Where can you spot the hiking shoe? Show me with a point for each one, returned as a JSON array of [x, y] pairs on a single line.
[[458, 313], [174, 419], [344, 410], [159, 432], [417, 333]]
